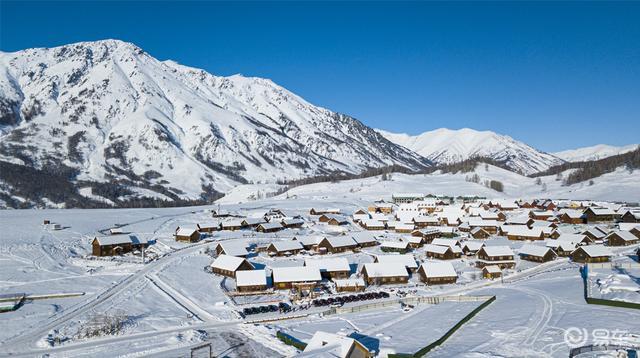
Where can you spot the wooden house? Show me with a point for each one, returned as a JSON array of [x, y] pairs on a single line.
[[381, 208], [405, 259], [116, 245], [599, 215], [332, 219], [631, 217], [524, 233], [364, 239], [324, 344], [594, 235], [471, 248], [231, 225], [591, 253], [251, 280], [356, 284], [208, 227], [437, 273], [496, 255], [536, 253], [395, 246], [491, 271], [621, 238], [187, 234], [330, 268], [372, 224], [380, 274], [232, 249], [404, 228], [269, 227], [315, 211], [479, 233], [299, 277], [427, 235], [335, 244], [292, 223], [541, 214], [226, 265], [308, 242], [252, 222], [439, 252], [571, 216], [284, 248], [421, 222]]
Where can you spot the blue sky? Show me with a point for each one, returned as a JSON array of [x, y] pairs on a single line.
[[555, 75]]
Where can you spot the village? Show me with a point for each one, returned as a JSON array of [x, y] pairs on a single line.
[[277, 264]]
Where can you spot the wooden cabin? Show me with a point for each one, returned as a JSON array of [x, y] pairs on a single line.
[[324, 344], [395, 246], [621, 238], [292, 223], [187, 235], [226, 265], [591, 254], [269, 227], [330, 268], [599, 215], [208, 228], [350, 284], [574, 217], [496, 255], [491, 271], [524, 233], [232, 249], [298, 277], [437, 273], [335, 244], [116, 245], [315, 211], [251, 281], [479, 233], [381, 274], [536, 253], [631, 217], [364, 239], [439, 252], [284, 248]]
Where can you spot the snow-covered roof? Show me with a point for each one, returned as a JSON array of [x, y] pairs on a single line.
[[363, 237], [519, 230], [624, 235], [518, 220], [332, 264], [596, 233], [349, 282], [292, 221], [404, 227], [232, 223], [183, 231], [324, 344], [309, 240], [483, 223], [407, 259], [571, 237], [492, 269], [436, 249], [602, 211], [596, 250], [429, 231], [253, 221], [227, 262], [234, 248], [113, 240], [395, 244], [534, 250], [438, 269], [425, 219], [340, 241], [628, 226], [572, 213], [296, 274], [251, 278], [473, 245], [564, 245], [445, 242], [289, 245], [386, 270], [372, 223], [270, 226], [498, 251]]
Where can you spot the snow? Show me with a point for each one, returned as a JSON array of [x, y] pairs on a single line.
[[296, 274], [251, 278], [495, 251], [227, 262], [386, 269], [328, 264], [438, 269], [595, 152], [406, 259], [596, 250], [446, 146]]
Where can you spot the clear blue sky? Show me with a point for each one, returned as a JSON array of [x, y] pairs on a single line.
[[555, 75]]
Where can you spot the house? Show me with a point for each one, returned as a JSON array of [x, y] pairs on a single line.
[[117, 245], [335, 244], [209, 227], [381, 208], [406, 198], [439, 252], [232, 249], [379, 273], [437, 273], [421, 222], [356, 284], [541, 214], [372, 224], [490, 226], [332, 219], [446, 242], [315, 211], [251, 280], [269, 227], [470, 248], [116, 231], [330, 268], [309, 242], [291, 223], [427, 235], [407, 260], [491, 271], [226, 265], [231, 225], [188, 235], [274, 215], [524, 233], [591, 253], [572, 216], [621, 238], [631, 216], [635, 231], [414, 241], [519, 220], [536, 253], [300, 277], [324, 344], [364, 239], [395, 246], [599, 214], [594, 235], [404, 228], [496, 255], [479, 233], [562, 248], [284, 248], [252, 222]]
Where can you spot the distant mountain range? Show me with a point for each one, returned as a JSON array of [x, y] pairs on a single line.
[[105, 124], [446, 146], [595, 152]]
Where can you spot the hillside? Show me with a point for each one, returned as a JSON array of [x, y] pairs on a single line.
[[446, 146], [595, 152], [116, 126]]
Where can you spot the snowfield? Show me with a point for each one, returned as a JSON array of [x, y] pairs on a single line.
[[172, 304]]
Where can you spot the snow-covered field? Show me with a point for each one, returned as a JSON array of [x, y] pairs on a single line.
[[171, 304]]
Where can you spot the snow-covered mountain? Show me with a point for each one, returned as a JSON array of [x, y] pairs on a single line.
[[445, 146], [108, 112], [595, 152]]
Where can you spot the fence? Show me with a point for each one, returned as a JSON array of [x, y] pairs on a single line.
[[601, 301], [616, 265], [451, 331], [598, 348], [408, 300]]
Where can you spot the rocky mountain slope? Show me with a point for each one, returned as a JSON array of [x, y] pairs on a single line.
[[595, 152], [113, 124], [446, 146]]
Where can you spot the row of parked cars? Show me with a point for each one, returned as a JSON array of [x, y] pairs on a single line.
[[340, 300], [281, 307]]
